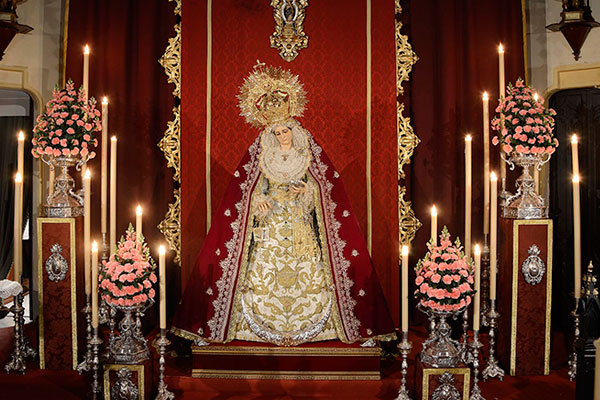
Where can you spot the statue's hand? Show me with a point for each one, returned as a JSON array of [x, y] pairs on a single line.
[[299, 189], [264, 206]]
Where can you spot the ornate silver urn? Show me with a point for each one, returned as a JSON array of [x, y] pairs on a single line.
[[64, 201], [440, 350], [130, 346], [526, 203]]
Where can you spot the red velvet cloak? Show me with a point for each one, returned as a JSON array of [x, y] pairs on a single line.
[[206, 307]]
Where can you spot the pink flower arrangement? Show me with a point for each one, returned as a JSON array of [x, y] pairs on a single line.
[[444, 276], [528, 125], [127, 278], [68, 126]]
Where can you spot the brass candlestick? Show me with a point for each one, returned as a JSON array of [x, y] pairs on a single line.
[[493, 370], [405, 347], [86, 364], [475, 346], [163, 392]]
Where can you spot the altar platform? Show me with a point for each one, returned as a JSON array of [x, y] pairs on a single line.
[[330, 360]]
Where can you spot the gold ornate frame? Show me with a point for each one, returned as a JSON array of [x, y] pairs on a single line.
[[407, 141], [408, 224]]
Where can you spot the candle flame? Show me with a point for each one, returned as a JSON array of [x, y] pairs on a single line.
[[493, 176], [87, 174], [434, 211], [500, 49], [477, 250], [536, 97], [576, 178], [468, 138], [574, 139], [18, 178], [404, 250], [138, 210], [486, 96], [113, 138], [94, 247], [161, 250], [104, 100], [21, 135], [86, 49]]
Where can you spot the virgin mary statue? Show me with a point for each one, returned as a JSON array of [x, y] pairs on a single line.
[[285, 261]]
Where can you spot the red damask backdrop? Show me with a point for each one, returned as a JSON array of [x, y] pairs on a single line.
[[334, 71]]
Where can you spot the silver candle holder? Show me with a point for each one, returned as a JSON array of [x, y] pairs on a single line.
[[475, 345], [163, 392], [22, 348], [485, 281], [466, 355], [86, 364], [96, 342], [493, 370], [405, 347], [573, 356]]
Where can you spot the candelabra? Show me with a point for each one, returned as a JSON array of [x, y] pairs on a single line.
[[475, 346], [96, 342], [573, 357], [86, 364], [22, 349], [405, 347], [485, 281], [493, 370], [163, 392], [465, 353]]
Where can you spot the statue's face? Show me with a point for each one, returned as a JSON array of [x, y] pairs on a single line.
[[283, 135]]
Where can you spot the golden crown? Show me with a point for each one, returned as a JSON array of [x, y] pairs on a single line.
[[270, 95]]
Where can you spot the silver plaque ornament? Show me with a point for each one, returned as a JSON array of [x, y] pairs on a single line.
[[446, 390], [533, 268], [56, 265]]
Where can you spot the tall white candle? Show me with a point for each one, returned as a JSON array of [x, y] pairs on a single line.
[[434, 225], [18, 229], [493, 233], [20, 152], [104, 184], [577, 236], [94, 278], [138, 223], [501, 94], [87, 228], [468, 194], [113, 194], [476, 303], [86, 70], [486, 163], [575, 154], [162, 287], [404, 288], [51, 180], [597, 371]]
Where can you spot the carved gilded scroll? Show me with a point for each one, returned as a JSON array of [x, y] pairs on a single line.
[[170, 227], [408, 224]]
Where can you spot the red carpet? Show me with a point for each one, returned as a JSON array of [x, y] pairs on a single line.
[[36, 384]]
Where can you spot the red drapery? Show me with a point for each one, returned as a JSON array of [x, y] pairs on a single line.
[[126, 39]]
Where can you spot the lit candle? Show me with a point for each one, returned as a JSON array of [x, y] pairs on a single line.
[[104, 183], [113, 194], [86, 70], [94, 284], [486, 163], [502, 93], [86, 227], [468, 198], [18, 229], [404, 288], [577, 235], [434, 225], [575, 154], [162, 287], [493, 233], [476, 303], [138, 223], [20, 152]]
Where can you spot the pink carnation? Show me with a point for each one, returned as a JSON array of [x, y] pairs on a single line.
[[447, 279], [436, 278]]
